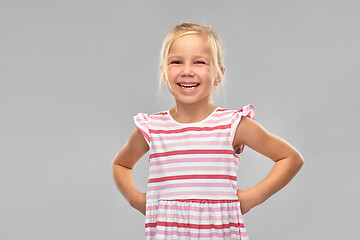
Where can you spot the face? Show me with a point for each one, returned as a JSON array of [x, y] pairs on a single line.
[[190, 70]]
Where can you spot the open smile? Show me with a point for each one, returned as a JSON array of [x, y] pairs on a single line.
[[188, 85]]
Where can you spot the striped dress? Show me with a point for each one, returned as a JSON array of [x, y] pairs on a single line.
[[192, 185]]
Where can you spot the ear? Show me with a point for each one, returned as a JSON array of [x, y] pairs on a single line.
[[162, 73], [222, 68], [220, 77]]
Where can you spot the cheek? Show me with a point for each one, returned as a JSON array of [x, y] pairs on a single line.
[[171, 73], [208, 76]]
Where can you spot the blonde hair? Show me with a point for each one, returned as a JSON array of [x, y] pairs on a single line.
[[212, 38]]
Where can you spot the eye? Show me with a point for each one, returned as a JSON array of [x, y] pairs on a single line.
[[200, 62], [175, 62]]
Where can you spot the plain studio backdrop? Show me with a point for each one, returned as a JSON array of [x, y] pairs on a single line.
[[74, 73]]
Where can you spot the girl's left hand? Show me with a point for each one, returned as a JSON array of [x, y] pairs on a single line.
[[247, 199], [139, 202]]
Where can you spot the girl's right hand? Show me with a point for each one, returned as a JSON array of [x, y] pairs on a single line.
[[139, 202]]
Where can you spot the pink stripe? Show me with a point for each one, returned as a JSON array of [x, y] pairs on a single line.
[[165, 125], [212, 217], [192, 151], [219, 121], [194, 208], [188, 193], [223, 109], [161, 113], [169, 124], [185, 136], [199, 200], [160, 117], [192, 160], [190, 129], [200, 143], [193, 168], [194, 226], [188, 185], [192, 176], [220, 114]]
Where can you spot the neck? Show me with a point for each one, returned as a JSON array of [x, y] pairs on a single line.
[[195, 112]]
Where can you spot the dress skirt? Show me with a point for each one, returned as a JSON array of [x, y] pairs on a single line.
[[194, 219]]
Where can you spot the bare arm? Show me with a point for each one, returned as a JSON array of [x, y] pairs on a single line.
[[288, 161], [122, 166]]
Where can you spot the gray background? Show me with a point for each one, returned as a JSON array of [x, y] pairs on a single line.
[[73, 73]]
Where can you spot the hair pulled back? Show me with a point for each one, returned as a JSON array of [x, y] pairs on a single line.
[[213, 41]]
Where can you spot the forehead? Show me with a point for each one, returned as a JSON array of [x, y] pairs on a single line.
[[194, 44]]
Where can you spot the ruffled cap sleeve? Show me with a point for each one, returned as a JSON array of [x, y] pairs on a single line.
[[142, 123], [248, 111]]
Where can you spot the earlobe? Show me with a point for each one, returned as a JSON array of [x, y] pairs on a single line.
[[217, 82], [220, 76]]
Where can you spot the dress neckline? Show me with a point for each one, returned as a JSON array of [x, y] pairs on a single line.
[[179, 123]]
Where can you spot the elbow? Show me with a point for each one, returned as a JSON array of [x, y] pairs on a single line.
[[299, 160], [112, 168]]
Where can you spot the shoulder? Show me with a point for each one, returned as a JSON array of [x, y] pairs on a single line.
[[144, 122], [242, 120], [159, 114], [247, 110], [145, 117], [224, 112], [149, 116]]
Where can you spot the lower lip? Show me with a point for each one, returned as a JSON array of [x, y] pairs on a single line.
[[188, 90]]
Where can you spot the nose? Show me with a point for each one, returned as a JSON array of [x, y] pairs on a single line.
[[187, 70]]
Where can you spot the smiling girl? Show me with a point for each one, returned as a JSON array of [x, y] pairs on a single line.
[[195, 148]]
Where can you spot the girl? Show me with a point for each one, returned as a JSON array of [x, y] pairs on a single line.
[[195, 148]]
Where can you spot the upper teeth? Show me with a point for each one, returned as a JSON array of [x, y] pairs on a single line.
[[188, 84]]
